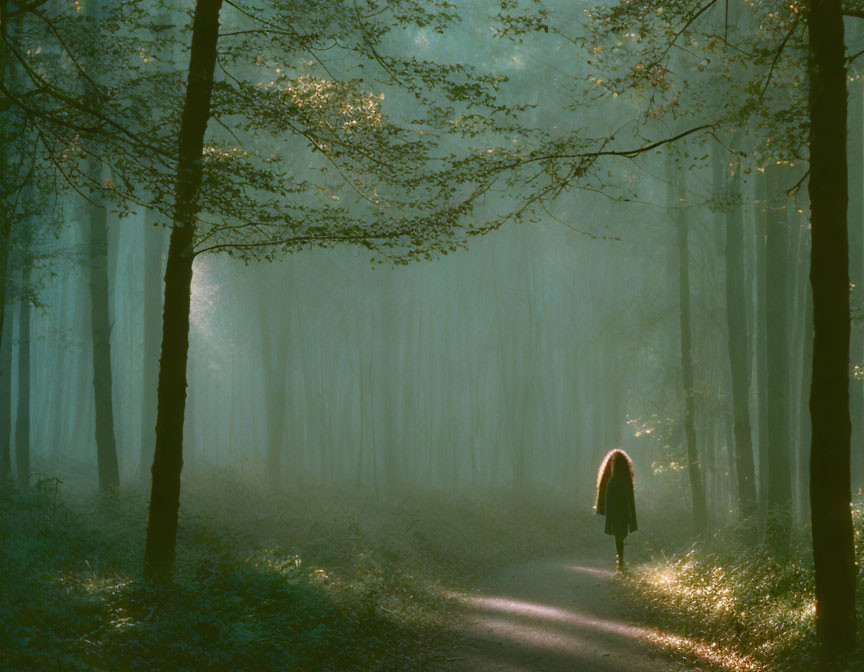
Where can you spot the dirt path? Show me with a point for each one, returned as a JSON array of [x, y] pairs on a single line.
[[554, 615]]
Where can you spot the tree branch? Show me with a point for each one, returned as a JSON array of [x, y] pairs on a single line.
[[777, 56]]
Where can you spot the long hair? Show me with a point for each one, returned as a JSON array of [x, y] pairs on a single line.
[[617, 464]]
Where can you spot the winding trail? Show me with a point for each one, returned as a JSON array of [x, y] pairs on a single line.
[[555, 615]]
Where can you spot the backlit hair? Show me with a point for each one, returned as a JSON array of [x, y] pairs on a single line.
[[605, 473]]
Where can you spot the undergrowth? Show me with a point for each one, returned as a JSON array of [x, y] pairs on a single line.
[[309, 580], [733, 605]]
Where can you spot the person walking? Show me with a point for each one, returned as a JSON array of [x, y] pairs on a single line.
[[616, 499]]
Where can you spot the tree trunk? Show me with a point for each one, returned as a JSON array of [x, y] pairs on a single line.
[[830, 490], [96, 235], [385, 377], [22, 420], [6, 402], [736, 323], [275, 393], [855, 146], [171, 398], [697, 486], [762, 338], [804, 428], [154, 237], [779, 496], [5, 331]]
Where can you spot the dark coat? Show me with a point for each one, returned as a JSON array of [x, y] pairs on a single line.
[[620, 507]]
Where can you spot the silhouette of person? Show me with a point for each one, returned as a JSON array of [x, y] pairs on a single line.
[[616, 498]]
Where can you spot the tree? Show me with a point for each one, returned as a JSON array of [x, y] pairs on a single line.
[[168, 456], [736, 324], [694, 471], [95, 226], [779, 495], [830, 490], [22, 418], [6, 402]]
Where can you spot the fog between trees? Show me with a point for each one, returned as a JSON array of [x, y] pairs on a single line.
[[436, 248]]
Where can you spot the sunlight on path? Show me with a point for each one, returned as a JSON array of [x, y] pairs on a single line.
[[550, 616]]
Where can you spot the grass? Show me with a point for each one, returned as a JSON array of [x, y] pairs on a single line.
[[310, 580], [734, 606]]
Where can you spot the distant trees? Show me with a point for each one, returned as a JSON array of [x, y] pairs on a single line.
[[736, 326], [780, 452], [694, 470], [22, 416], [95, 226], [57, 120]]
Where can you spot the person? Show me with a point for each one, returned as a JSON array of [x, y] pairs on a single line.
[[616, 499]]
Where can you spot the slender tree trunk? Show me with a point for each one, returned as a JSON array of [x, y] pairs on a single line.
[[830, 490], [779, 497], [730, 458], [762, 338], [6, 401], [171, 400], [697, 485], [275, 394], [154, 237], [22, 420], [96, 235], [274, 344], [385, 377], [5, 333], [804, 428], [736, 322]]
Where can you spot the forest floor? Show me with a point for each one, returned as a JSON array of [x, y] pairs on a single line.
[[312, 579], [561, 614], [324, 580]]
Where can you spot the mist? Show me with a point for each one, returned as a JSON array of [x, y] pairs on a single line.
[[343, 335]]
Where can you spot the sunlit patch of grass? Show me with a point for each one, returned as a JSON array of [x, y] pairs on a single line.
[[750, 602], [722, 656], [756, 608]]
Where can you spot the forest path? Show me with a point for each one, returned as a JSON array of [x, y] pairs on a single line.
[[555, 615]]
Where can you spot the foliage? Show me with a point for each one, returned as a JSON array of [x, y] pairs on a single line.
[[302, 120], [312, 580]]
